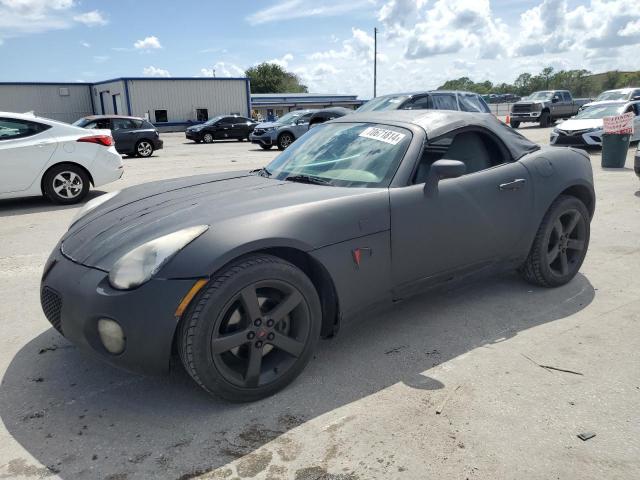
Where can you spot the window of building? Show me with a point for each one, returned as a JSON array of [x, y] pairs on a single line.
[[161, 116], [202, 114], [11, 128]]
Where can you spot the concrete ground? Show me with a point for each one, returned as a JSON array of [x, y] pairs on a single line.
[[444, 386]]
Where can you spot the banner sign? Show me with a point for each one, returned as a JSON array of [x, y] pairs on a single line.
[[619, 124]]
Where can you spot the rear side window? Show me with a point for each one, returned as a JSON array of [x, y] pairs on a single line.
[[103, 123], [567, 96], [444, 101], [471, 103], [123, 124], [11, 128], [419, 103]]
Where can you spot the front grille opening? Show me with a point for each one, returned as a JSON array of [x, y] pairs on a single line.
[[52, 306]]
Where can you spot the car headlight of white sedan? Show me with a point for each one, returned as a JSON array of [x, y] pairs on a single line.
[[143, 262]]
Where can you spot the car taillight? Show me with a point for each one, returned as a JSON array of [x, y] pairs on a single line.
[[104, 140]]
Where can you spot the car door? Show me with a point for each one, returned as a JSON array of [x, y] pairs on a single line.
[[301, 125], [471, 221], [244, 127], [124, 134], [25, 148], [224, 128]]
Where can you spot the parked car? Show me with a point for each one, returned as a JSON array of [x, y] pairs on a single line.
[[222, 127], [620, 94], [364, 210], [39, 156], [586, 128], [132, 135], [545, 107], [430, 100], [636, 161], [327, 114], [284, 131]]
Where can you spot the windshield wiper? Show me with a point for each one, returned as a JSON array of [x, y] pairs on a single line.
[[308, 179], [263, 172]]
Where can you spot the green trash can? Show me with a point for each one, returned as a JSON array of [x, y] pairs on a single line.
[[614, 150]]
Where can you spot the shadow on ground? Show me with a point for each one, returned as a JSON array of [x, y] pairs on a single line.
[[24, 205], [84, 419]]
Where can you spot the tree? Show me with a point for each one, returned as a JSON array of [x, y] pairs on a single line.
[[272, 78]]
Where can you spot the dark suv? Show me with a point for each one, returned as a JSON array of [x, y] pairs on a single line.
[[132, 135]]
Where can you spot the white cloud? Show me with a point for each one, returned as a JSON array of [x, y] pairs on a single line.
[[292, 9], [21, 17], [148, 43], [100, 58], [283, 62], [91, 19], [222, 69], [85, 44], [357, 48], [152, 71]]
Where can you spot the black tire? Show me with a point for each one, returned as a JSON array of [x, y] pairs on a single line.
[[207, 137], [144, 148], [284, 140], [514, 124], [266, 147], [560, 245], [241, 139], [66, 184], [545, 120], [219, 336]]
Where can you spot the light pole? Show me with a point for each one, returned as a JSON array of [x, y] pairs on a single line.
[[375, 59]]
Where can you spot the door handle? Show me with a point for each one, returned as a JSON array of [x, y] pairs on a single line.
[[516, 184]]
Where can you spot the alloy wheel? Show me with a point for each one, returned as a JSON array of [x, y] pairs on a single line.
[[144, 149], [566, 243], [67, 185], [261, 333], [286, 140]]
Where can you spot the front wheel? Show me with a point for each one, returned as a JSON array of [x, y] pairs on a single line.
[[545, 119], [252, 330], [207, 138], [266, 147], [560, 244], [514, 123], [285, 140], [144, 148], [66, 184]]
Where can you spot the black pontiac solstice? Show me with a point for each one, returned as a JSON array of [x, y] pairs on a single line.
[[242, 272]]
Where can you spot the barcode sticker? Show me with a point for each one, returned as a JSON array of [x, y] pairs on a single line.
[[383, 135]]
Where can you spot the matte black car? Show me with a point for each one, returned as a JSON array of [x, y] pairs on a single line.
[[430, 100], [222, 127], [133, 136], [242, 272]]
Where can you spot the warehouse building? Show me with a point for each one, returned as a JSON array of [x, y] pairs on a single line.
[[274, 105], [169, 103]]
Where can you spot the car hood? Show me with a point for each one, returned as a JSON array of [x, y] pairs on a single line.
[[580, 124], [604, 102], [144, 212], [269, 124]]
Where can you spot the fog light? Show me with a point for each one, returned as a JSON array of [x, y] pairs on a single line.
[[111, 335]]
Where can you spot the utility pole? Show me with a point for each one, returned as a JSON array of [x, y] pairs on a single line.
[[375, 60]]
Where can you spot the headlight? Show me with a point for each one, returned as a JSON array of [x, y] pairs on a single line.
[[140, 264], [537, 106], [92, 204]]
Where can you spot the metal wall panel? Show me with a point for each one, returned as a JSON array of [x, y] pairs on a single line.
[[47, 100], [106, 91], [182, 97]]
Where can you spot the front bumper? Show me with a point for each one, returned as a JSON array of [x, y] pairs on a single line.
[[191, 135], [525, 116], [75, 297], [576, 139], [158, 144], [267, 138]]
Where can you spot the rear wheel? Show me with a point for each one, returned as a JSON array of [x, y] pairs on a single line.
[[66, 184], [285, 140], [144, 148], [560, 244], [252, 330]]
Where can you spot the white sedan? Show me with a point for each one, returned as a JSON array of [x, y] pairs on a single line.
[[586, 128], [39, 156]]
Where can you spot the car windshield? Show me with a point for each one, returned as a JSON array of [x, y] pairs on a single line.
[[213, 120], [600, 111], [612, 95], [290, 117], [390, 102], [344, 155], [540, 96]]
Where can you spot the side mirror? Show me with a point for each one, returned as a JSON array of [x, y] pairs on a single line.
[[441, 170], [555, 99], [637, 97]]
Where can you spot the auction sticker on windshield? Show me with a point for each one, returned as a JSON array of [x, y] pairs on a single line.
[[383, 135]]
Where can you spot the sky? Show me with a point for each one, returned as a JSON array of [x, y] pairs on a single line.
[[327, 43]]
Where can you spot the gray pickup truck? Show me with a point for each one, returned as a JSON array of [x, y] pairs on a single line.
[[544, 107]]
